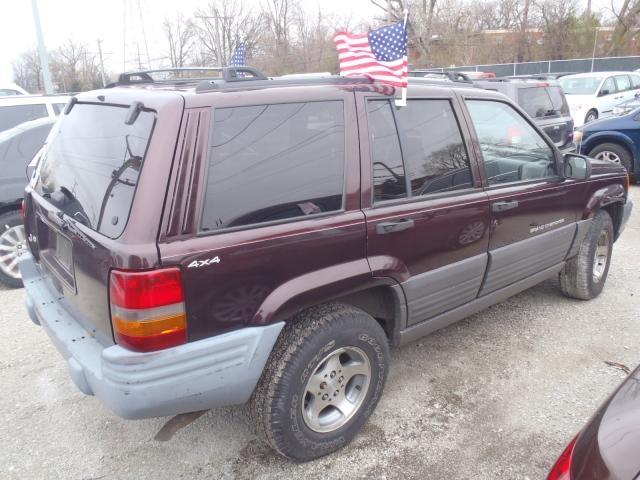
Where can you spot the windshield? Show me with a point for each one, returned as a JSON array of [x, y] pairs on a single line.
[[90, 167], [580, 85]]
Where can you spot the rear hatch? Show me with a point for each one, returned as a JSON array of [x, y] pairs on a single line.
[[547, 105], [80, 201]]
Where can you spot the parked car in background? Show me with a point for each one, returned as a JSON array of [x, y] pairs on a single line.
[[266, 240], [18, 146], [543, 101], [626, 106], [608, 446], [11, 90], [594, 95], [15, 110], [543, 76], [616, 139], [473, 75]]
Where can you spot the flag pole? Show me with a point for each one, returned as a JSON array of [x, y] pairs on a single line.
[[402, 101]]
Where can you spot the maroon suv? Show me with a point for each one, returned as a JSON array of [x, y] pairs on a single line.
[[246, 239]]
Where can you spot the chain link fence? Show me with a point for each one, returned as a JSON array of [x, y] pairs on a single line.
[[575, 65]]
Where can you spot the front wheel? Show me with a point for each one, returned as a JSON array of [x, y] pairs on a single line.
[[591, 116], [322, 382], [615, 153], [584, 275], [12, 246]]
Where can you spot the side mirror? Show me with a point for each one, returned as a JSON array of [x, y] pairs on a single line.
[[576, 167], [604, 92]]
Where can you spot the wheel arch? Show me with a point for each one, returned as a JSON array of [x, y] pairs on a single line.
[[610, 199], [612, 137]]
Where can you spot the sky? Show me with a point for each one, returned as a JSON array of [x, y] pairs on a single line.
[[86, 21]]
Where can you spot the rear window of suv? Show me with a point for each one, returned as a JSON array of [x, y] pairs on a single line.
[[541, 102], [91, 165], [270, 163]]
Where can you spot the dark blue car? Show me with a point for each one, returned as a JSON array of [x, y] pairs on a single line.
[[615, 138]]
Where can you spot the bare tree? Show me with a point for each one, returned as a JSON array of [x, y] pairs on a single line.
[[277, 14], [179, 34], [74, 68], [222, 25], [27, 71], [627, 21]]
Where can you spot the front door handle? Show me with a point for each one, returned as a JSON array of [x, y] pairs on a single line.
[[503, 206], [383, 228]]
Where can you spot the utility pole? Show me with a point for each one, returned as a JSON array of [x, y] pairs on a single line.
[[104, 82], [42, 50]]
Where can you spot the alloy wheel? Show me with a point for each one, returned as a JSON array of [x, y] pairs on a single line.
[[610, 156], [336, 389], [601, 256], [12, 246]]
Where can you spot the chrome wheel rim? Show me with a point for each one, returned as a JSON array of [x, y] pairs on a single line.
[[12, 246], [336, 389], [610, 156], [601, 257], [590, 118]]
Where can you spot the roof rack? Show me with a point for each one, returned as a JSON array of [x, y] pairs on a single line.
[[215, 84], [450, 75], [184, 75]]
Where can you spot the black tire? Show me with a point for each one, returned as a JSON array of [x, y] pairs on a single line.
[[276, 406], [626, 159], [578, 277], [591, 116], [9, 220]]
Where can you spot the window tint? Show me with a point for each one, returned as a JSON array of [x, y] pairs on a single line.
[[91, 165], [558, 100], [435, 159], [536, 102], [623, 83], [58, 108], [389, 180], [11, 116], [273, 162], [609, 85], [511, 148]]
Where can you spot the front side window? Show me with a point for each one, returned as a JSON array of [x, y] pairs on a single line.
[[608, 87], [274, 162], [11, 116], [512, 149]]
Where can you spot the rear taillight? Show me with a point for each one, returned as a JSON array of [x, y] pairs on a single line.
[[562, 468], [147, 309]]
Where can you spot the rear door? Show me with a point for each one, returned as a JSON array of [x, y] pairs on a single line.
[[533, 210], [608, 97], [427, 216]]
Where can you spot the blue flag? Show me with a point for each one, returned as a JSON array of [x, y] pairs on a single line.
[[237, 59]]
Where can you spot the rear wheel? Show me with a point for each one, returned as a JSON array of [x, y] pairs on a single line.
[[12, 246], [591, 116], [322, 382], [584, 275], [614, 153]]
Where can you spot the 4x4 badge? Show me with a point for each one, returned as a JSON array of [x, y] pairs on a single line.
[[204, 263]]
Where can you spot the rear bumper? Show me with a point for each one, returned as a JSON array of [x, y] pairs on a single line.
[[218, 371]]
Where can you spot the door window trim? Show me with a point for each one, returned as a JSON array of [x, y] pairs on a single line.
[[429, 196], [199, 232], [517, 109]]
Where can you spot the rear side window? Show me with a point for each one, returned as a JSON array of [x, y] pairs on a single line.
[[540, 102], [623, 83], [427, 157], [91, 165], [11, 116], [635, 81], [274, 162]]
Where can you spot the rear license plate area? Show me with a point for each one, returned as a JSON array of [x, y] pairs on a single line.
[[56, 252]]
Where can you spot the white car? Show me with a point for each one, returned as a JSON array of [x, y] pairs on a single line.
[[11, 89], [18, 109], [594, 95]]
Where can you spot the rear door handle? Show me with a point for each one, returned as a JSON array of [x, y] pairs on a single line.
[[503, 206], [383, 228]]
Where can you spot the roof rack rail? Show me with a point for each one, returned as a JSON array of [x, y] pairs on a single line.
[[451, 75], [228, 74], [215, 84]]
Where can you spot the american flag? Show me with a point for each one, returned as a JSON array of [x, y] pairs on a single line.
[[380, 54], [237, 59]]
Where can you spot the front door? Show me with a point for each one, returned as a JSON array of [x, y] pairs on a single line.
[[427, 216], [533, 210]]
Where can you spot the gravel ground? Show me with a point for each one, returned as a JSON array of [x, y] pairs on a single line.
[[496, 396]]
